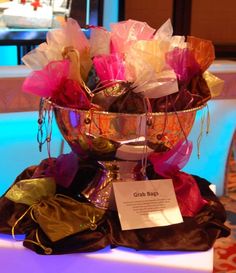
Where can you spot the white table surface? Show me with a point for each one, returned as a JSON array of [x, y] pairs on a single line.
[[14, 258]]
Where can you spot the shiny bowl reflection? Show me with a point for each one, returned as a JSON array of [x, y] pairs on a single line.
[[108, 136]]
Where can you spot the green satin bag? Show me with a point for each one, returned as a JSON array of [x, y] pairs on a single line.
[[31, 191], [61, 216], [57, 215]]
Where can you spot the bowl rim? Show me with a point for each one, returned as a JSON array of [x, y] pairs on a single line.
[[54, 105]]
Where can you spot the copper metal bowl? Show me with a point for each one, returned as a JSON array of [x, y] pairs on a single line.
[[117, 142], [109, 136]]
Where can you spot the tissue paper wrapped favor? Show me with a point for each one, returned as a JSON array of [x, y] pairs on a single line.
[[189, 64], [145, 61], [203, 51], [165, 35], [214, 83], [182, 61], [152, 52], [71, 35], [148, 73], [47, 80], [110, 70], [165, 32], [131, 69], [168, 164], [52, 81], [100, 41], [125, 33]]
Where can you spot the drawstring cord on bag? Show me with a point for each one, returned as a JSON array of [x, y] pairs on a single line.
[[47, 250]]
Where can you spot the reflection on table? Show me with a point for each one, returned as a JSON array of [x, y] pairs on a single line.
[[107, 260]]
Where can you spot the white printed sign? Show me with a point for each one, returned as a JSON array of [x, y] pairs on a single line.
[[145, 204]]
